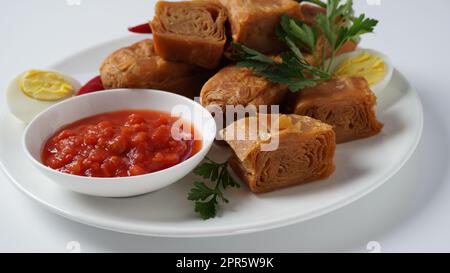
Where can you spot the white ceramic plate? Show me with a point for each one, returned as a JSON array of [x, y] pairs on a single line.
[[361, 166]]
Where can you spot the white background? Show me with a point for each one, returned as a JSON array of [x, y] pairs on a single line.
[[409, 213]]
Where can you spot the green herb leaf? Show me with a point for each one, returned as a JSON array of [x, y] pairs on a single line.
[[298, 32], [207, 210], [228, 181], [205, 170], [200, 192], [247, 53], [206, 198], [360, 26], [293, 70], [328, 28]]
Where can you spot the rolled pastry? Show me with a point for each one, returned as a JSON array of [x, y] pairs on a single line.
[[191, 32], [234, 86], [253, 22], [346, 103], [305, 152], [138, 66]]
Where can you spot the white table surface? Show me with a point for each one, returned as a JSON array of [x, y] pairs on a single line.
[[409, 213]]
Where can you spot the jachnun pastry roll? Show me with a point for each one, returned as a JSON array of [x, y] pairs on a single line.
[[304, 151], [346, 103], [138, 66], [235, 85], [191, 32], [253, 22]]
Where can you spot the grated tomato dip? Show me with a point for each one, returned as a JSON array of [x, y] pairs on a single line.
[[118, 144]]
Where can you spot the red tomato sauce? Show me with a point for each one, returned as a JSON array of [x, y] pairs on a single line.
[[119, 144]]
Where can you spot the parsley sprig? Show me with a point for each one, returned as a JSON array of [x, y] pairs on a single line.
[[206, 198], [293, 70], [337, 26]]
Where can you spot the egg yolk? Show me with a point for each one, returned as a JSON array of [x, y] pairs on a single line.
[[45, 85], [371, 67]]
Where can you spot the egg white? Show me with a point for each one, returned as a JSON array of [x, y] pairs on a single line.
[[26, 108], [379, 87]]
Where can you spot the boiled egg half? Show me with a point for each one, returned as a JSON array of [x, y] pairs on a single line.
[[35, 90], [373, 65]]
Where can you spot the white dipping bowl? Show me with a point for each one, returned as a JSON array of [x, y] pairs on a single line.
[[51, 120]]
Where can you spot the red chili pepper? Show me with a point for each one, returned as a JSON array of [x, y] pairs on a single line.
[[142, 29], [92, 86]]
